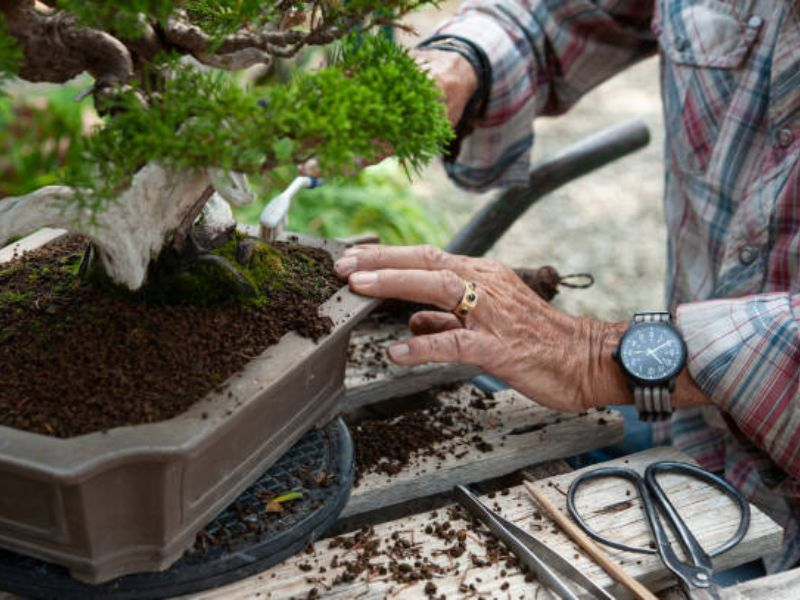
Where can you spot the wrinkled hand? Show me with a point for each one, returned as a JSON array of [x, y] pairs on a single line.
[[559, 360]]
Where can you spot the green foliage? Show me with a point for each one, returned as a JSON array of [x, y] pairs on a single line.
[[39, 136], [378, 200], [10, 54], [222, 17], [374, 97], [122, 18]]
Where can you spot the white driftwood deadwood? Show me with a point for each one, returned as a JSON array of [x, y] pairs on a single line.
[[130, 231]]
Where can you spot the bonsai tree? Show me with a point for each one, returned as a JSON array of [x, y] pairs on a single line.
[[180, 133]]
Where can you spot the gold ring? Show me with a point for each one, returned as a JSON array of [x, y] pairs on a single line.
[[468, 302]]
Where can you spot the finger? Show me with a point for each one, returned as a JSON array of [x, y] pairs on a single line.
[[427, 322], [454, 346], [443, 289], [373, 257]]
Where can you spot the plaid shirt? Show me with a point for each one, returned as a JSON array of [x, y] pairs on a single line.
[[731, 92]]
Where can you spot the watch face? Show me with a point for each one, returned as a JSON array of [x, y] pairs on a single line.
[[652, 352]]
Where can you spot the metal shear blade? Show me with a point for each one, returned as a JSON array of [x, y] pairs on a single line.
[[531, 551]]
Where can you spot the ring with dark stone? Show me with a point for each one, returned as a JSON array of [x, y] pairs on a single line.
[[468, 302]]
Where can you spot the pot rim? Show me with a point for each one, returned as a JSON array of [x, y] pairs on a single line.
[[188, 433]]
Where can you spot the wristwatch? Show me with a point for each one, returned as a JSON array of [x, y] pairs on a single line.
[[652, 353]]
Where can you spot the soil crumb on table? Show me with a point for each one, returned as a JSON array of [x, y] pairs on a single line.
[[388, 444], [452, 543], [76, 360]]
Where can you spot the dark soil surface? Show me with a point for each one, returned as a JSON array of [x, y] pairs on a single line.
[[388, 444], [77, 360]]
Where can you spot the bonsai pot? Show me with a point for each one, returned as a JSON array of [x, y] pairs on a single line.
[[133, 498]]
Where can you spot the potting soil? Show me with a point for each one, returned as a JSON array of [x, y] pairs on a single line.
[[75, 359]]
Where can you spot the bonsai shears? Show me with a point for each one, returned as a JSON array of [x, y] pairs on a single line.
[[695, 574], [540, 558]]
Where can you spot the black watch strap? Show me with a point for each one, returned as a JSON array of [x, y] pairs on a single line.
[[654, 402]]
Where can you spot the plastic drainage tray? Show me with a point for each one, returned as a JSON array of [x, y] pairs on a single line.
[[132, 499], [248, 539]]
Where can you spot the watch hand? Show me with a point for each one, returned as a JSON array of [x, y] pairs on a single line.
[[656, 349], [652, 353]]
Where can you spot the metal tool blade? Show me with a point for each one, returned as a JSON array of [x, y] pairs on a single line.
[[555, 560], [525, 554]]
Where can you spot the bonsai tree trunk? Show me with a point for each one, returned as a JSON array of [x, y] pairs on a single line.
[[157, 210]]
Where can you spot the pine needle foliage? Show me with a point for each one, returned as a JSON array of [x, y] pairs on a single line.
[[373, 97], [223, 17]]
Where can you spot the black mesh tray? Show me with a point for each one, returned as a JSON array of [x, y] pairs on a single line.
[[244, 539]]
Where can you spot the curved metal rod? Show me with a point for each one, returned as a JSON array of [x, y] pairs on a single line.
[[602, 473], [647, 484], [490, 223]]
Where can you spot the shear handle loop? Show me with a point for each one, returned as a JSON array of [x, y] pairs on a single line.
[[707, 477], [602, 473]]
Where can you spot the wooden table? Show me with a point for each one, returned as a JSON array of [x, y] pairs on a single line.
[[526, 439], [712, 517]]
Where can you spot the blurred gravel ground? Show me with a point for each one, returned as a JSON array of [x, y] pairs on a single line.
[[609, 223]]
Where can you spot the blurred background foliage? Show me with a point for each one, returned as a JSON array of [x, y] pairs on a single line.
[[40, 123], [38, 129], [378, 200]]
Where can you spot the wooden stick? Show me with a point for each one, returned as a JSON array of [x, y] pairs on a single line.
[[592, 549]]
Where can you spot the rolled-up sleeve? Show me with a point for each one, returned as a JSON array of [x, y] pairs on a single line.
[[745, 355], [544, 55]]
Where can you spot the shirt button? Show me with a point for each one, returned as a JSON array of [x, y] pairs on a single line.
[[748, 255], [755, 22], [681, 43], [784, 138]]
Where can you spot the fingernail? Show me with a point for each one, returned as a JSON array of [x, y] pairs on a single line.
[[353, 251], [364, 278], [398, 351], [345, 266]]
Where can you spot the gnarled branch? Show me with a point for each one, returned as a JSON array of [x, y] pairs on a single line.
[[56, 48]]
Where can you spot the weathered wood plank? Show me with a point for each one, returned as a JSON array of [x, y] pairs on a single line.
[[781, 586], [711, 516], [520, 432], [371, 378]]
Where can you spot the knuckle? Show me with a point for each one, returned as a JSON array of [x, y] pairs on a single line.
[[458, 346], [452, 286], [377, 256], [431, 255], [497, 265]]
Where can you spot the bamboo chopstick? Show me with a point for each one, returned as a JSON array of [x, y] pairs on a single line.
[[592, 549]]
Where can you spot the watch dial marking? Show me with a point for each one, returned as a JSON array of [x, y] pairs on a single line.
[[652, 351]]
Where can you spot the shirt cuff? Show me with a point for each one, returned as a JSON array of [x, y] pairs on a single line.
[[744, 353], [497, 153]]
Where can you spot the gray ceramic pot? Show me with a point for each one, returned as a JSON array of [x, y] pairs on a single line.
[[132, 499]]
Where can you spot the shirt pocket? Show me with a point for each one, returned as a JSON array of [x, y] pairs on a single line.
[[705, 45]]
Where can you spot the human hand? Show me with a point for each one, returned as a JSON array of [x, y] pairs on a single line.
[[561, 361], [454, 76]]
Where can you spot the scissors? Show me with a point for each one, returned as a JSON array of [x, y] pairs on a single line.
[[696, 573], [530, 550]]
